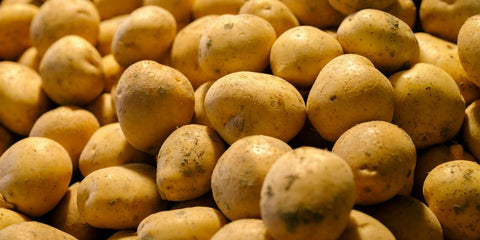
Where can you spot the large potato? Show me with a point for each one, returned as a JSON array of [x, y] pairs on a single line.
[[252, 229], [317, 13], [406, 10], [33, 230], [469, 47], [362, 226]]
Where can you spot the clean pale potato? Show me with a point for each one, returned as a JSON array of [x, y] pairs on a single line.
[[252, 229], [351, 6], [30, 58], [33, 230], [9, 217], [362, 226], [181, 9], [201, 8], [317, 13], [106, 31], [108, 9], [103, 109], [468, 47]]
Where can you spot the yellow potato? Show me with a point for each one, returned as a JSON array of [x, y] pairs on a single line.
[[351, 6], [362, 226], [200, 116], [30, 58], [471, 128], [112, 71], [201, 8], [103, 109], [468, 47], [317, 13], [252, 229], [124, 235], [181, 9], [406, 10], [33, 230], [34, 2], [9, 217], [206, 200], [106, 31], [112, 8]]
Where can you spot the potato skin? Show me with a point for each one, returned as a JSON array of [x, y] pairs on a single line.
[[180, 9], [252, 229], [351, 6], [9, 217], [362, 226], [33, 230], [468, 47], [111, 8], [319, 13], [201, 8]]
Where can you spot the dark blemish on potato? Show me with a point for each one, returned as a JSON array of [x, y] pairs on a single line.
[[445, 132], [301, 216], [428, 88], [458, 209], [209, 43], [333, 98], [409, 173], [228, 26], [290, 180], [468, 174], [268, 7], [367, 189], [269, 191], [391, 53]]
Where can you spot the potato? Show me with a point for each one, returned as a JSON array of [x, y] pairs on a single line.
[[200, 116], [185, 47], [235, 43], [362, 226], [444, 54], [149, 93], [239, 174], [30, 58], [103, 109], [348, 6], [382, 157], [308, 193], [15, 20], [72, 71], [201, 8], [199, 223], [252, 229], [408, 218], [206, 200], [119, 197], [33, 230], [381, 37], [185, 162], [300, 53], [108, 147], [445, 18], [63, 122], [112, 71], [318, 13], [406, 10], [56, 19], [9, 217], [451, 191], [348, 90], [106, 31], [181, 10], [468, 47], [248, 103], [37, 169], [108, 9], [471, 128], [124, 235], [22, 99], [275, 12], [309, 136], [34, 2], [146, 34], [428, 104]]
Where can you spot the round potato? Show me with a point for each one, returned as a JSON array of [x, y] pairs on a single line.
[[349, 90], [300, 53], [149, 93], [181, 9], [33, 230], [248, 103], [468, 47], [200, 116], [108, 9], [348, 7], [106, 31], [239, 174], [201, 8], [451, 191], [317, 13], [103, 109], [235, 43], [471, 128], [252, 229], [30, 58], [362, 226], [9, 217], [406, 10], [34, 175], [308, 193]]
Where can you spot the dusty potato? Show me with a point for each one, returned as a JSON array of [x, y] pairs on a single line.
[[124, 235], [451, 191], [253, 229], [300, 53], [15, 20], [362, 226], [428, 104], [186, 160], [381, 37], [33, 230], [248, 103], [34, 168], [30, 58], [238, 176], [146, 34], [22, 99], [348, 7], [119, 197], [200, 116], [317, 13], [9, 217], [235, 43], [201, 8], [58, 18], [382, 157], [103, 109], [106, 31], [406, 10], [348, 90], [63, 122], [468, 47], [149, 93], [108, 9], [108, 147], [308, 193], [181, 9]]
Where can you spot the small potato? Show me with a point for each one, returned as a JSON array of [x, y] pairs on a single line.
[[15, 20], [119, 197], [248, 103], [381, 37], [186, 160], [181, 9], [108, 147], [308, 193], [469, 47], [58, 18], [22, 99], [200, 116], [33, 230], [348, 90], [300, 53], [238, 176], [34, 175], [362, 226], [451, 191], [108, 9], [199, 223], [252, 229], [9, 217], [471, 128], [112, 71], [103, 109], [124, 235], [382, 157], [107, 29], [235, 43], [317, 13], [348, 7], [201, 8], [406, 10], [30, 58], [146, 34], [147, 94]]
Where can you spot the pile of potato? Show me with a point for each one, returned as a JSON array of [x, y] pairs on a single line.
[[240, 119]]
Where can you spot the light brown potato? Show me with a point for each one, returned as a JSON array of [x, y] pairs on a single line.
[[103, 110], [381, 37], [428, 104], [33, 230], [58, 18], [308, 193], [108, 9], [108, 147], [119, 197], [300, 53], [238, 176], [185, 162], [235, 43], [6, 139], [199, 223], [34, 2], [451, 191], [248, 103], [9, 217], [468, 47], [406, 10], [252, 229], [200, 116], [148, 93], [30, 58], [106, 31], [348, 7], [22, 99], [317, 13], [15, 20], [112, 71], [382, 157], [471, 128], [205, 200], [63, 122], [124, 235], [34, 175], [138, 36], [201, 8], [349, 90], [181, 9], [362, 226]]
